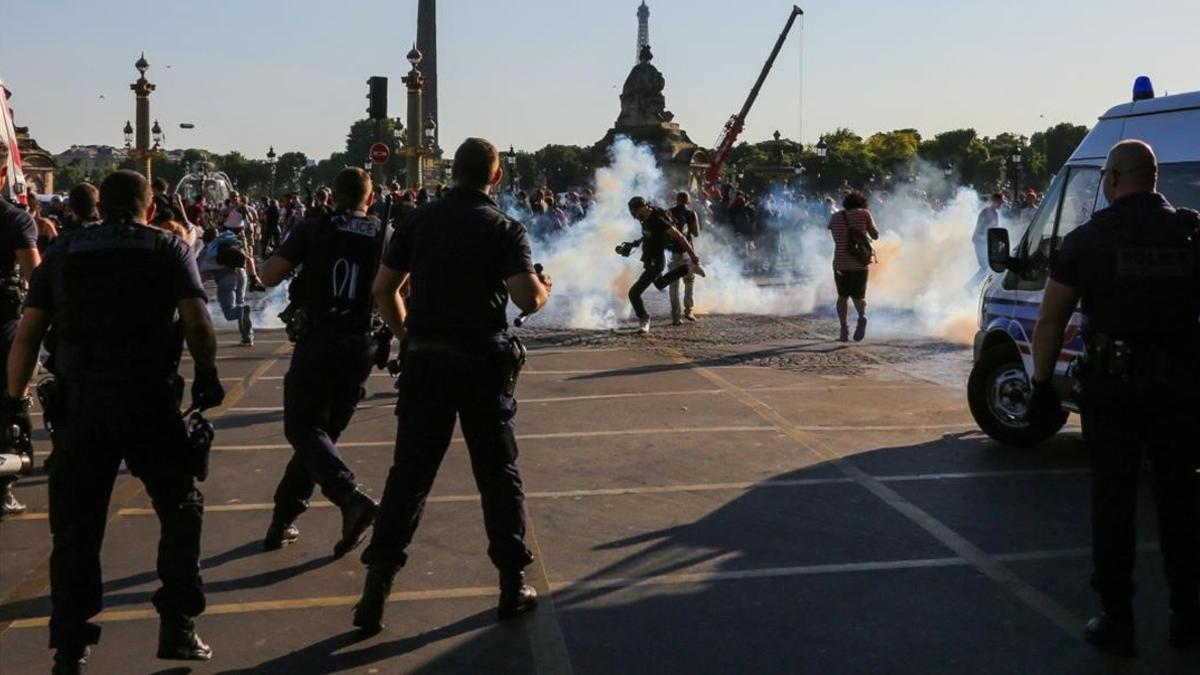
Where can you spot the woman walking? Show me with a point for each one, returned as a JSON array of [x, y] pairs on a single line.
[[850, 229]]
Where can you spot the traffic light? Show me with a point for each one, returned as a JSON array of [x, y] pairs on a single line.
[[377, 95]]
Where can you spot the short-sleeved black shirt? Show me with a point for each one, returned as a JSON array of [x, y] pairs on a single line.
[[654, 235], [459, 251], [18, 231], [1088, 261], [126, 288]]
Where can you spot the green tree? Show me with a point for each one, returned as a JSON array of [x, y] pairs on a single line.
[[565, 166], [67, 177], [1057, 143], [894, 150], [288, 169], [528, 169]]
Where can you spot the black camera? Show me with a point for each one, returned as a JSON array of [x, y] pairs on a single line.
[[625, 249]]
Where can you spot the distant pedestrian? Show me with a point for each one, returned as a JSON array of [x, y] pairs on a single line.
[[850, 272], [988, 219], [688, 223]]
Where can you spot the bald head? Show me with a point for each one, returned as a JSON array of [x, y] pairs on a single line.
[[1131, 169]]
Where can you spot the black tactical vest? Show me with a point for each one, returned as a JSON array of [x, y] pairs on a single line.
[[116, 318], [1157, 280], [336, 278]]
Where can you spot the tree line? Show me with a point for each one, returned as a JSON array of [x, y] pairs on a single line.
[[963, 155]]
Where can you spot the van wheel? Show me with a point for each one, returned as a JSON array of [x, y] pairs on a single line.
[[998, 393]]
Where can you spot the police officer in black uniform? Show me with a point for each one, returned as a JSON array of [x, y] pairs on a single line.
[[464, 259], [1134, 269], [658, 228], [117, 397], [18, 258], [338, 254]]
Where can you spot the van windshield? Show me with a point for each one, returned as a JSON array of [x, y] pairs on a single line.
[[1179, 183]]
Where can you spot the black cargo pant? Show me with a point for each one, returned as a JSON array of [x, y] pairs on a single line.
[[320, 392], [1118, 431], [100, 427], [650, 275], [435, 387]]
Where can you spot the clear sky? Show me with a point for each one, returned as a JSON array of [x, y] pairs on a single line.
[[253, 73]]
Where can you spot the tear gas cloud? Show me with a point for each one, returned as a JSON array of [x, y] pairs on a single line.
[[922, 283]]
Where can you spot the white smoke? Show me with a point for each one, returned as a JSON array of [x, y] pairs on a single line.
[[920, 285]]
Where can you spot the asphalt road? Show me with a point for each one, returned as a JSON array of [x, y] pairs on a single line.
[[767, 502]]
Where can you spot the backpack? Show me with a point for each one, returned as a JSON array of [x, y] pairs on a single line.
[[859, 244], [226, 250]]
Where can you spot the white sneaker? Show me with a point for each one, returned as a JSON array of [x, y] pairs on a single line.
[[644, 326]]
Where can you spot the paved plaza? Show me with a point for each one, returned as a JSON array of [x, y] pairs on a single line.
[[791, 505]]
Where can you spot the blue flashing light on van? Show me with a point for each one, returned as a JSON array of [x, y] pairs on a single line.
[[998, 389], [1143, 89]]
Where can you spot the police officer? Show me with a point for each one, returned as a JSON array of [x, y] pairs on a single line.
[[658, 228], [338, 254], [1133, 268], [117, 396], [464, 259], [18, 258]]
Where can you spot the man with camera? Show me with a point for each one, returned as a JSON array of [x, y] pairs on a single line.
[[465, 259], [658, 228], [338, 254], [116, 397]]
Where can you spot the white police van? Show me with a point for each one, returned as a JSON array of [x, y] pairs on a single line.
[[998, 389]]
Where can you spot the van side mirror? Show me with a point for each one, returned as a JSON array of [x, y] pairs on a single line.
[[999, 253]]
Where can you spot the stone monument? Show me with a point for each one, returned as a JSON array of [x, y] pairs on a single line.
[[645, 119]]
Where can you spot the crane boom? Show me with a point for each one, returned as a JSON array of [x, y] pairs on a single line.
[[733, 128]]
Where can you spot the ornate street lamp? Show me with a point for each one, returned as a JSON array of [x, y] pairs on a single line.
[[271, 161], [414, 149], [128, 131], [158, 136], [141, 90], [822, 149], [510, 159]]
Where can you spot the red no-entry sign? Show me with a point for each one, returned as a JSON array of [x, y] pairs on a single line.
[[380, 153]]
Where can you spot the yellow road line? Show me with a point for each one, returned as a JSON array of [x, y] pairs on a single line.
[[563, 587], [39, 580], [239, 507]]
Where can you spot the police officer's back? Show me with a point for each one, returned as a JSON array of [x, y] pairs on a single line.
[[1133, 268], [464, 259], [337, 253], [112, 293]]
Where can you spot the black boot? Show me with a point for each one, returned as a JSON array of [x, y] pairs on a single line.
[[358, 512], [1112, 635], [516, 597], [279, 534], [368, 613], [1185, 629], [70, 661], [178, 641]]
